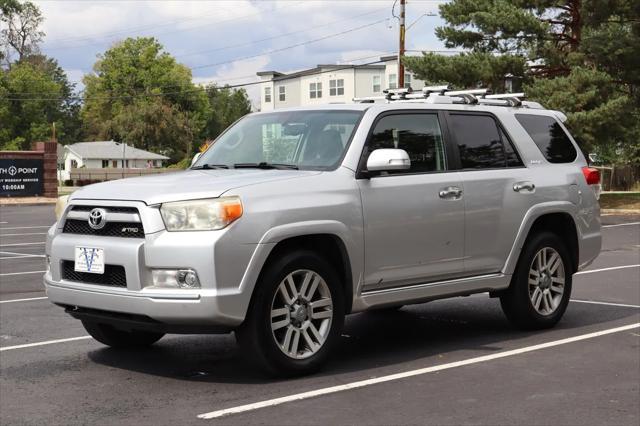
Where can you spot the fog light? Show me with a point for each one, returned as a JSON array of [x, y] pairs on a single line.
[[175, 278]]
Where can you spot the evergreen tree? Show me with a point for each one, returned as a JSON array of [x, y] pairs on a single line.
[[578, 56]]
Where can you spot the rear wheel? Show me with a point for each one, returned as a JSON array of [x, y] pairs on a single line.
[[541, 284], [115, 338], [295, 317]]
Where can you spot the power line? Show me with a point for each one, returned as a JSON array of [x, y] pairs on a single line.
[[304, 43], [249, 43], [208, 24]]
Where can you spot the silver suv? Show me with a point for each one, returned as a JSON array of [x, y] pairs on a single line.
[[293, 219]]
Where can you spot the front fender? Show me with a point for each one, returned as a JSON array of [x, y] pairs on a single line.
[[297, 229]]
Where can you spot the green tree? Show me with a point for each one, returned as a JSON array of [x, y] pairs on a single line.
[[226, 105], [31, 100], [140, 95], [20, 29], [34, 90], [578, 56]]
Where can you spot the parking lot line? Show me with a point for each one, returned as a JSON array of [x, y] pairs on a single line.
[[14, 255], [23, 227], [411, 373], [591, 271], [20, 244], [20, 235], [621, 224], [48, 342], [22, 273], [595, 302], [23, 300]]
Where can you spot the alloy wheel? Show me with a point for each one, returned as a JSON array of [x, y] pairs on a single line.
[[301, 314], [546, 281]]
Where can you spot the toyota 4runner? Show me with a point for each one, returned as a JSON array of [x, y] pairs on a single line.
[[295, 218]]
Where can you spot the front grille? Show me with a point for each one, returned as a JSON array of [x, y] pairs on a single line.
[[111, 229], [114, 275], [110, 209]]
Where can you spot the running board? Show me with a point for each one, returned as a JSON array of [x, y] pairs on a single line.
[[419, 293]]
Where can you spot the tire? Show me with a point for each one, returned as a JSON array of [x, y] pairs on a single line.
[[115, 338], [278, 314], [541, 284]]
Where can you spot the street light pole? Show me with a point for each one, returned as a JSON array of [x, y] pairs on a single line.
[[124, 146]]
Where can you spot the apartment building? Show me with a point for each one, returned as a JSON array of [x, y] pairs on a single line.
[[330, 84]]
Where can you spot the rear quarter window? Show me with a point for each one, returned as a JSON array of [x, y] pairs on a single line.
[[549, 136]]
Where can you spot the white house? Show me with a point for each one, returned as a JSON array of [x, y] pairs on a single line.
[[330, 84], [103, 155]]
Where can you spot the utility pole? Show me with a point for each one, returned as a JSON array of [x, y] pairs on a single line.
[[401, 45]]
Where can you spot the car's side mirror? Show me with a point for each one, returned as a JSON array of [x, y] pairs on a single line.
[[195, 158], [387, 159]]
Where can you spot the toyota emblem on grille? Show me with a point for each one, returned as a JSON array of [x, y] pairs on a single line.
[[97, 218]]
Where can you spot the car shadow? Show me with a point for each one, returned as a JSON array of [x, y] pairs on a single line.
[[370, 340]]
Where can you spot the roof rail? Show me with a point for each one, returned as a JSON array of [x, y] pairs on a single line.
[[444, 95]]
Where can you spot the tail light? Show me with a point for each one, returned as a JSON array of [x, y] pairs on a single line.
[[592, 177]]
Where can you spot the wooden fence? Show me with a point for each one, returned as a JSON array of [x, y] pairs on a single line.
[[83, 176]]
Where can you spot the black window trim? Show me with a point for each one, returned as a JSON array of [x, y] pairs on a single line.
[[363, 173], [454, 143]]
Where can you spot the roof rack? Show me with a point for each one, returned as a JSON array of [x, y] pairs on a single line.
[[444, 95]]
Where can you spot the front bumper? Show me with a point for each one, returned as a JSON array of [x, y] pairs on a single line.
[[220, 303], [199, 308]]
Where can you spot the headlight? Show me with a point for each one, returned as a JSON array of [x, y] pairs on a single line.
[[61, 203], [201, 215]]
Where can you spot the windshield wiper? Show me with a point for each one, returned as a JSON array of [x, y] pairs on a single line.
[[210, 166], [265, 165]]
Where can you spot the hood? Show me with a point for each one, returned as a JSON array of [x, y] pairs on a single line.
[[183, 185]]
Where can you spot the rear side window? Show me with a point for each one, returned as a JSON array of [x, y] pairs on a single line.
[[549, 136], [418, 134], [481, 144]]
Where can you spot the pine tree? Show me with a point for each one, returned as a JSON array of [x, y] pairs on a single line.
[[578, 56]]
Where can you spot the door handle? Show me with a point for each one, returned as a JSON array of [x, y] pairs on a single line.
[[450, 192], [522, 186]]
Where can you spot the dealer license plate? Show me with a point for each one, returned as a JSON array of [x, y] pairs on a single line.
[[89, 259]]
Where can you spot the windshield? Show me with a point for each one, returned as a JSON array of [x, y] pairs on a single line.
[[294, 139]]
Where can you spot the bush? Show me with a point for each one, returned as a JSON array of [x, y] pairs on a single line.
[[181, 165]]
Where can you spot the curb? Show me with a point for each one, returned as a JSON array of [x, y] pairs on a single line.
[[28, 203], [619, 211]]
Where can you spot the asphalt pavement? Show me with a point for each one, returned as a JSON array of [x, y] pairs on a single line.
[[455, 361]]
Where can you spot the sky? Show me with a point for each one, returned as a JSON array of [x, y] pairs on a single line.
[[228, 41]]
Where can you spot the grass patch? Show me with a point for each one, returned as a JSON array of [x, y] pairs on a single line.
[[620, 200]]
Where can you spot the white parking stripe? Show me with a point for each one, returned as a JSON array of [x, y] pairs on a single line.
[[23, 300], [13, 255], [621, 224], [595, 302], [19, 235], [19, 244], [591, 271], [406, 374], [22, 273], [48, 342], [23, 227]]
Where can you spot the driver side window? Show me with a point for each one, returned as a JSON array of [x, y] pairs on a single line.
[[418, 134]]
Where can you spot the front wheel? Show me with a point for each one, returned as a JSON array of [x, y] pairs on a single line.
[[115, 338], [541, 284], [296, 315]]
